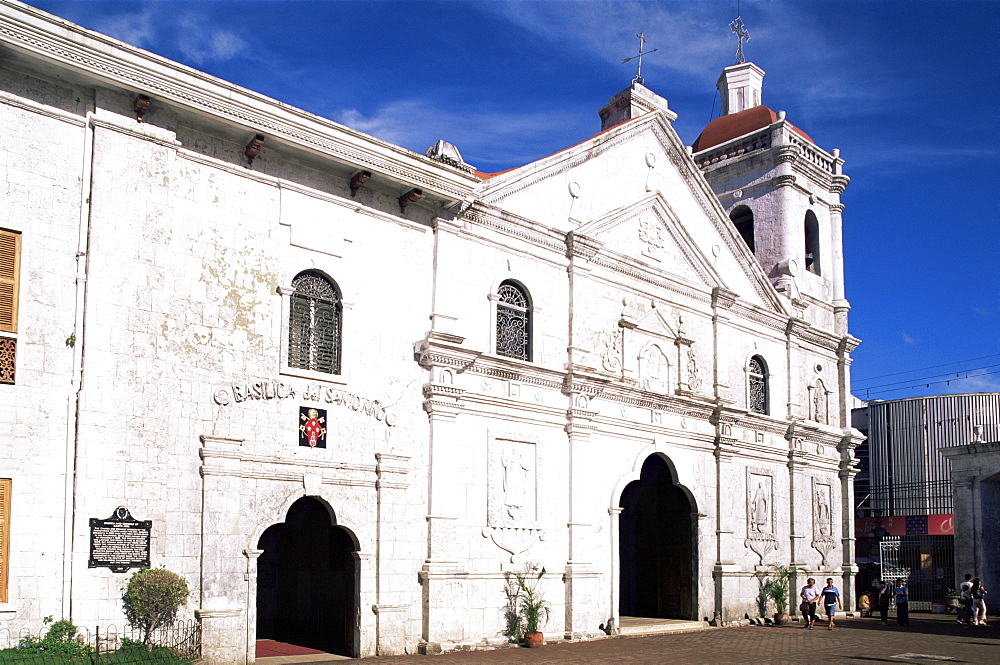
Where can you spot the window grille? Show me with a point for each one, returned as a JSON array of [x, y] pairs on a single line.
[[314, 324], [8, 359], [758, 385], [513, 322]]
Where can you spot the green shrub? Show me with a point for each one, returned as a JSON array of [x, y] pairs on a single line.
[[152, 599], [58, 645]]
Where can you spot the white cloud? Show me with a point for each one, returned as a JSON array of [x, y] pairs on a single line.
[[906, 338], [201, 44], [134, 29], [485, 139]]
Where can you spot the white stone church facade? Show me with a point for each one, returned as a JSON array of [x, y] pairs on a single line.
[[350, 386]]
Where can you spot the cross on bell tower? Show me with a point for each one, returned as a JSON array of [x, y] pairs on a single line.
[[741, 34]]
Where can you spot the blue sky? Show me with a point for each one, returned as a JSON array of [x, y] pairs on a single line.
[[906, 90]]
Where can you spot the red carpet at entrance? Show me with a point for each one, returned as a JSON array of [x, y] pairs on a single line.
[[268, 648]]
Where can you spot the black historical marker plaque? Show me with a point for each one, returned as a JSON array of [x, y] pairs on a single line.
[[119, 542]]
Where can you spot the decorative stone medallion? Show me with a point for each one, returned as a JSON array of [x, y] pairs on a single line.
[[513, 481]]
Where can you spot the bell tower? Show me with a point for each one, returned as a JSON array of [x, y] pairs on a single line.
[[782, 192]]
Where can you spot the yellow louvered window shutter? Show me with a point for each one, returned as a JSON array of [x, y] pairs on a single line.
[[10, 267], [4, 536]]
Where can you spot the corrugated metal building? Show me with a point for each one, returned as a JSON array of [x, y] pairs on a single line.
[[902, 475]]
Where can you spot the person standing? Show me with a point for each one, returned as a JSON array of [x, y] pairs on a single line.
[[809, 596], [978, 602], [831, 601], [883, 602], [965, 601], [902, 604]]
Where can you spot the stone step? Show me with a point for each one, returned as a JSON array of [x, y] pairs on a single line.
[[650, 626]]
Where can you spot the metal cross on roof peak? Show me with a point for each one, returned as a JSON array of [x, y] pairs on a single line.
[[642, 40], [741, 34]]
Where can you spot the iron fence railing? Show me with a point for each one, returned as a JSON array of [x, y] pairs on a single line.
[[178, 644], [930, 497]]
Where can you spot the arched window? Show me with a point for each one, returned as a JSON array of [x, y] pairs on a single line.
[[314, 323], [513, 321], [812, 243], [742, 217], [757, 377]]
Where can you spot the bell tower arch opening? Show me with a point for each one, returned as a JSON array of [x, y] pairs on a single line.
[[742, 217], [307, 581], [656, 541]]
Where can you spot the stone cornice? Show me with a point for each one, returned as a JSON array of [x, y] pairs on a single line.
[[117, 64], [516, 226], [974, 449], [805, 332]]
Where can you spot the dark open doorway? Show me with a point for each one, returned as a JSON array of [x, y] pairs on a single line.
[[655, 545], [307, 585]]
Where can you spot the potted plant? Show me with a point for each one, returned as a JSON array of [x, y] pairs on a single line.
[[532, 608], [951, 600], [776, 588]]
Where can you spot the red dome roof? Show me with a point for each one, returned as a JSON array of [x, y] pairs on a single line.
[[728, 127]]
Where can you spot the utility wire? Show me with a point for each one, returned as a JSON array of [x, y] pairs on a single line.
[[922, 379], [921, 369], [918, 384]]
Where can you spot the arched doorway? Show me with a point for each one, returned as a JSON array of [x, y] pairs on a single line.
[[307, 586], [655, 541]]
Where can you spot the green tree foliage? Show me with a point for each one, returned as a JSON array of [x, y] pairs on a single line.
[[777, 586], [152, 599]]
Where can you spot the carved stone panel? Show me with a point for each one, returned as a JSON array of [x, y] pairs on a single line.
[[694, 381], [654, 370], [819, 399], [610, 347], [760, 513], [514, 473], [822, 509]]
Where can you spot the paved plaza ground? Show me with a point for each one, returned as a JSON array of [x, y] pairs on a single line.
[[929, 639]]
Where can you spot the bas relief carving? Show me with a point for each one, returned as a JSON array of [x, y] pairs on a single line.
[[610, 344], [819, 402], [760, 514], [513, 482], [654, 370], [822, 508], [651, 234], [694, 382]]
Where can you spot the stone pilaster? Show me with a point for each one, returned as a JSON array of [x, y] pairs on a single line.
[[390, 607], [252, 556], [222, 637], [581, 580], [441, 577]]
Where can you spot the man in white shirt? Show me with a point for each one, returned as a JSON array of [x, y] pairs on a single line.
[[965, 600]]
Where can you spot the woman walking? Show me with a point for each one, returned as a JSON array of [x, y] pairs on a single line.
[[978, 602], [809, 596]]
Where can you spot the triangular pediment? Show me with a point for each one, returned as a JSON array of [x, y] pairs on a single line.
[[648, 231], [635, 190], [652, 322]]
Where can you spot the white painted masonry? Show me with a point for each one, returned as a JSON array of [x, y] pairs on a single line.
[[151, 368]]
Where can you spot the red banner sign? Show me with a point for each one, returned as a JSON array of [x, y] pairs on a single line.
[[905, 525]]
